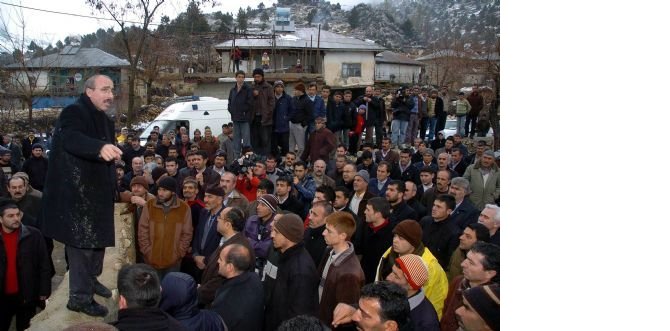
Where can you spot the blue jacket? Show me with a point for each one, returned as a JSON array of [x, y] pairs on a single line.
[[283, 109], [319, 107], [372, 187], [306, 189], [179, 298]]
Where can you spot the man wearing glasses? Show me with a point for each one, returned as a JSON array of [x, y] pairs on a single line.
[[78, 200]]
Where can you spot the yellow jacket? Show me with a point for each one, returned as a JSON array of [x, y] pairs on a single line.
[[437, 286]]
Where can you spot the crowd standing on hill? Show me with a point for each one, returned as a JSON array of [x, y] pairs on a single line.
[[295, 226]]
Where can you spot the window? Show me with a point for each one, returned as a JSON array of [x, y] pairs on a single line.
[[351, 70]]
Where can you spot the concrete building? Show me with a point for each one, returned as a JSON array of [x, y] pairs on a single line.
[[58, 79], [397, 68], [306, 53]]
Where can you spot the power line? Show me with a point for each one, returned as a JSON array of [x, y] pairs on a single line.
[[71, 14]]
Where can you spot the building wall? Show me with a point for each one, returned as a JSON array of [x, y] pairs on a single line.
[[332, 65], [20, 80], [404, 74]]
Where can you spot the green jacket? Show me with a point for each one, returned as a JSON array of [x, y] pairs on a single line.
[[462, 107], [483, 194]]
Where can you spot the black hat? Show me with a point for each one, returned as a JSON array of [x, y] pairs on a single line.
[[168, 183], [258, 71], [216, 190]]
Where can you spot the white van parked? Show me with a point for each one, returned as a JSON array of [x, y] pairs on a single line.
[[193, 113]]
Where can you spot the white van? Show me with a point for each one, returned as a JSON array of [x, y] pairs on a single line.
[[193, 113]]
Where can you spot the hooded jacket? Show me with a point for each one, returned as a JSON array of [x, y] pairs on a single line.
[[437, 286], [179, 298]]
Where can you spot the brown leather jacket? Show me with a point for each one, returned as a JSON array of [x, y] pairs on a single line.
[[342, 284], [165, 237]]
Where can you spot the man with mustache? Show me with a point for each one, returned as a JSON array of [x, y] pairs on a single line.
[[79, 191]]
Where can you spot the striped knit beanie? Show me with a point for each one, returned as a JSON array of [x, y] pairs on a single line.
[[414, 269], [270, 201]]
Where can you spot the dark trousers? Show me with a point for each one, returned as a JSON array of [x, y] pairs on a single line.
[[236, 65], [10, 306], [85, 266], [422, 128], [353, 143], [260, 137], [379, 133], [441, 122], [279, 141], [470, 124]]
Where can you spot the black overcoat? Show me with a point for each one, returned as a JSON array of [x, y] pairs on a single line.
[[78, 200]]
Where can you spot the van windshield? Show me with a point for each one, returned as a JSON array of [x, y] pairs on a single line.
[[164, 126]]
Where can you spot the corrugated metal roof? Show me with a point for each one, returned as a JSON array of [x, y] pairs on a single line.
[[301, 38], [75, 57], [391, 57]]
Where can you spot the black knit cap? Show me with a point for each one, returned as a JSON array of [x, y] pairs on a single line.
[[168, 183], [485, 300], [258, 71]]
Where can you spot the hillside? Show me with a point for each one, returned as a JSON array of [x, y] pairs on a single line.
[[404, 25]]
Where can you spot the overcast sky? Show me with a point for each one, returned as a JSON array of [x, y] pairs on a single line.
[[51, 27]]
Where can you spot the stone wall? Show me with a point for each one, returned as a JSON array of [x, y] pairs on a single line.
[[56, 316]]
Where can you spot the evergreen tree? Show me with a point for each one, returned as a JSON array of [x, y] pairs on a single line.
[[242, 24], [407, 29]]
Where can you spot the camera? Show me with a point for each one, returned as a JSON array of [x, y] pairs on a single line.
[[243, 165]]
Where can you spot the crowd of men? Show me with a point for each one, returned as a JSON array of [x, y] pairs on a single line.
[[241, 232]]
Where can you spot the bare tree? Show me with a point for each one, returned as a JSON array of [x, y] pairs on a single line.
[[123, 11], [27, 77], [163, 58]]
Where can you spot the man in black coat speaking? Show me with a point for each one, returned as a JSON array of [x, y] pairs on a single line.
[[78, 200]]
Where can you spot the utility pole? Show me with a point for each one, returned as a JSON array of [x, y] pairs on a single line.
[[318, 52]]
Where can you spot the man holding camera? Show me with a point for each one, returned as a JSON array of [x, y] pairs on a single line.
[[247, 183], [401, 106]]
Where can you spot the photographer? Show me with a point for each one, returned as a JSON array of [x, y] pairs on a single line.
[[401, 106], [247, 183]]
